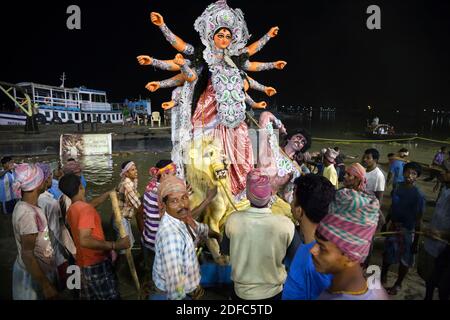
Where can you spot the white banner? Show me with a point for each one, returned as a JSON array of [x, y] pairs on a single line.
[[74, 145]]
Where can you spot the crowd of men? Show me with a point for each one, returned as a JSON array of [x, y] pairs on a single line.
[[323, 254]]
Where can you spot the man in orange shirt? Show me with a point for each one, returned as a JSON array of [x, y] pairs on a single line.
[[98, 280]]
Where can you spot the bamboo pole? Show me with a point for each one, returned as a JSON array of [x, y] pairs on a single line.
[[422, 233], [118, 220]]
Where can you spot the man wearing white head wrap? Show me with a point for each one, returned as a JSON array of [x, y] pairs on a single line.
[[129, 197], [34, 270], [59, 235]]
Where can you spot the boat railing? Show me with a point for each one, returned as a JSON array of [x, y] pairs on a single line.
[[95, 106], [57, 102]]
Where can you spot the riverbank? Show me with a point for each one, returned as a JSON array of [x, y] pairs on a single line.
[[15, 142]]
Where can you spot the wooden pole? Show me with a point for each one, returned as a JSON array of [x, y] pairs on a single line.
[[118, 219]]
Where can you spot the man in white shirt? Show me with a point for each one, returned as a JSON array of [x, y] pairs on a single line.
[[376, 181], [258, 241]]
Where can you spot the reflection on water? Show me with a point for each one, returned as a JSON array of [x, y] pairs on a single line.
[[98, 170], [329, 124], [102, 173]]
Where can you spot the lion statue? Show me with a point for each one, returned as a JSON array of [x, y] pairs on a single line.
[[206, 168]]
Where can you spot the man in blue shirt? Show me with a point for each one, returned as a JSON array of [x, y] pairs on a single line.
[[312, 195], [7, 196], [396, 168], [408, 206]]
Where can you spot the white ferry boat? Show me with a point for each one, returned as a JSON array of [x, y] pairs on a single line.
[[65, 105]]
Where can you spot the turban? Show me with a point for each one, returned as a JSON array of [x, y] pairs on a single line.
[[351, 223], [259, 190], [170, 185], [28, 177], [156, 172], [45, 169], [126, 168], [72, 167], [359, 172]]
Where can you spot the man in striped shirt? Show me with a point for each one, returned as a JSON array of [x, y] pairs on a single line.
[[151, 217], [151, 213]]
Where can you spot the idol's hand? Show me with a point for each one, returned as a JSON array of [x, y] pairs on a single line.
[[260, 105], [179, 60], [156, 19], [280, 65], [273, 32], [152, 86], [144, 60], [270, 91], [168, 105]]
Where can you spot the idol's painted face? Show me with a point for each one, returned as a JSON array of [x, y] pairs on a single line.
[[222, 38]]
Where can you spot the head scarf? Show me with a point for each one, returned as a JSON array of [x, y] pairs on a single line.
[[45, 169], [155, 173], [27, 177], [259, 190], [359, 172], [127, 167], [351, 223], [72, 167], [170, 185]]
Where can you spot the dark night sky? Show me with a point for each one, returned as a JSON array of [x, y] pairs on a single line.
[[333, 59]]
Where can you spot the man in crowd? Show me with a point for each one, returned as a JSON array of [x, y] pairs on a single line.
[[396, 168], [408, 206], [258, 242], [56, 226], [7, 197], [129, 197], [438, 163], [54, 189], [150, 214], [329, 171], [176, 271], [312, 196], [355, 177], [375, 178], [34, 271], [98, 280], [343, 241]]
